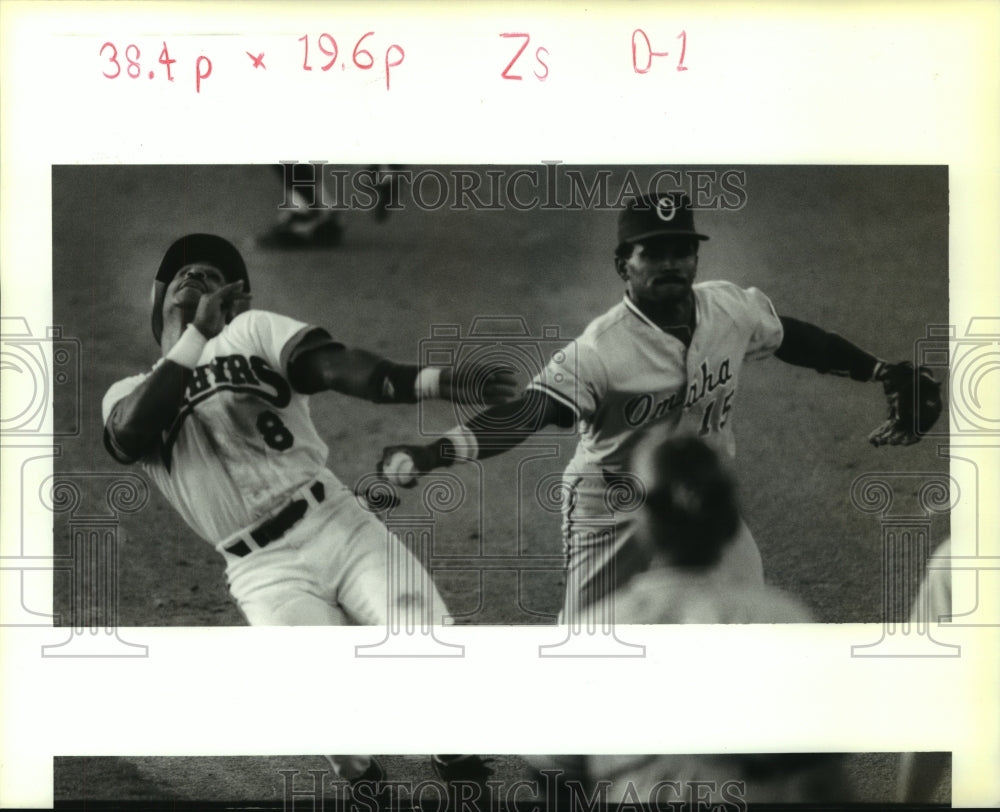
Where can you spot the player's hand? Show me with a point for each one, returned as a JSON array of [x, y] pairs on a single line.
[[214, 308], [476, 384], [402, 464]]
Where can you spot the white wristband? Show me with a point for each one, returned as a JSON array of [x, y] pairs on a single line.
[[465, 443], [428, 383], [187, 351]]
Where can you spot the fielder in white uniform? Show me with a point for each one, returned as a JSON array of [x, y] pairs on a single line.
[[670, 353], [221, 424]]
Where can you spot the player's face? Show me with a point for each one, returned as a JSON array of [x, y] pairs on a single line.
[[192, 281], [660, 269]]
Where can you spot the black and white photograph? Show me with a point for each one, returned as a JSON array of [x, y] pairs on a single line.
[[547, 783], [505, 348]]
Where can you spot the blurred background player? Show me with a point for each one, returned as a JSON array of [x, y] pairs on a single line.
[[688, 518], [689, 515], [670, 353], [313, 222]]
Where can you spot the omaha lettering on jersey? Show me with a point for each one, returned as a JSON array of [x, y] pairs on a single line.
[[624, 372], [645, 407]]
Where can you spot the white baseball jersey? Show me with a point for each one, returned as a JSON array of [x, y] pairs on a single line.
[[625, 372], [242, 440]]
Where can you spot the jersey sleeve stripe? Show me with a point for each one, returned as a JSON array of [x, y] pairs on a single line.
[[305, 339], [556, 396]]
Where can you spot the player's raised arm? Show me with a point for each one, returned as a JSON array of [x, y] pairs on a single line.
[[133, 421], [136, 414], [363, 374], [913, 395], [491, 432]]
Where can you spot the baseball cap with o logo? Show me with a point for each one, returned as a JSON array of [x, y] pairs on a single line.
[[657, 215]]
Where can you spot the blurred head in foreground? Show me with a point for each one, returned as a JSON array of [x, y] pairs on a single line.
[[690, 510]]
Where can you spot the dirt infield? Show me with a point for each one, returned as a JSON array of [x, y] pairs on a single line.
[[859, 250]]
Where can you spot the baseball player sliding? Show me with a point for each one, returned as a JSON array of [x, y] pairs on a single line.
[[221, 424], [670, 353]]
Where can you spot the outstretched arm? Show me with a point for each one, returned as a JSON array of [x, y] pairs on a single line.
[[318, 364], [913, 395], [491, 432], [807, 345]]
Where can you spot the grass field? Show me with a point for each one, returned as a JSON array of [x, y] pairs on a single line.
[[859, 250]]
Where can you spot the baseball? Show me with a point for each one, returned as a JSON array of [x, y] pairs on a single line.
[[400, 469]]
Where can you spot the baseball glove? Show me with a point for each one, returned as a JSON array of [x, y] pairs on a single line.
[[914, 397]]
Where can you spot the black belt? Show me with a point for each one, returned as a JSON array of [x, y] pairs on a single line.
[[279, 524]]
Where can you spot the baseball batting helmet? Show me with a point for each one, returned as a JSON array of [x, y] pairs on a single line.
[[206, 248]]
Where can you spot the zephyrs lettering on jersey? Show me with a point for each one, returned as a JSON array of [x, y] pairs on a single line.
[[236, 372], [227, 373]]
